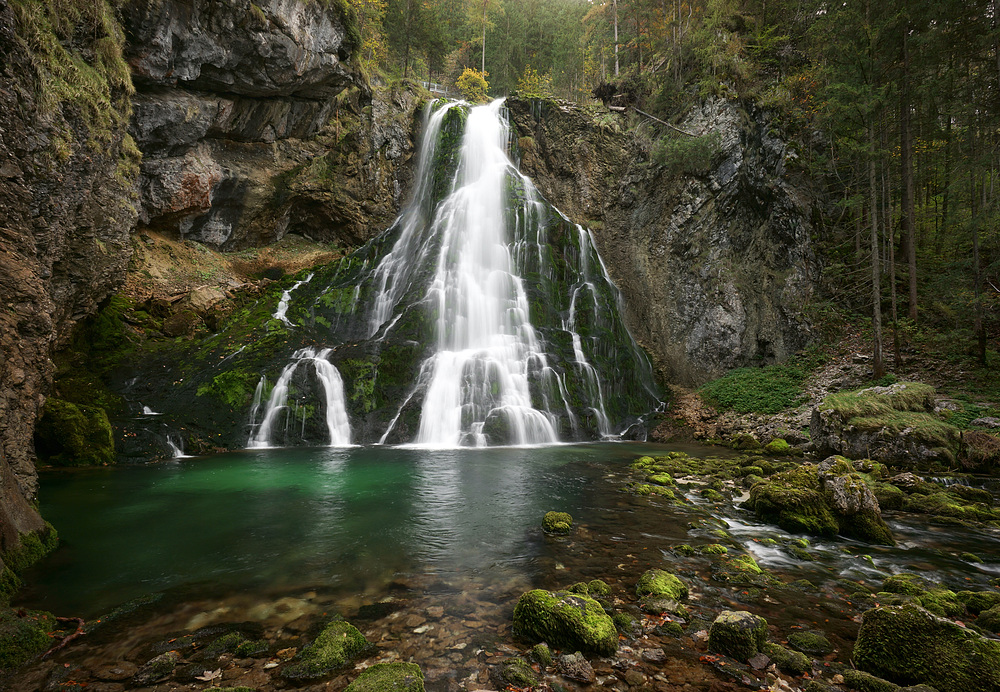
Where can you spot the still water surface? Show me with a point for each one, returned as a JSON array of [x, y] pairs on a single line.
[[346, 518]]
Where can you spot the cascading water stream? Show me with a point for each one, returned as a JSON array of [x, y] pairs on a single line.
[[277, 407], [482, 317]]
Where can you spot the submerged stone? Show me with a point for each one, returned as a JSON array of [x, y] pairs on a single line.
[[908, 645], [514, 672], [565, 620], [389, 677], [336, 645], [737, 634]]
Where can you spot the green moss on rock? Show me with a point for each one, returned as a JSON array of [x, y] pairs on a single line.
[[557, 522], [778, 447], [72, 435], [812, 643], [787, 660], [978, 601], [737, 634], [564, 620], [389, 677], [23, 635], [794, 501], [866, 682], [907, 645], [657, 582], [542, 654], [336, 645]]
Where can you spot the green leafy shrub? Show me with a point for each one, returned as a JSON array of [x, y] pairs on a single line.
[[769, 389]]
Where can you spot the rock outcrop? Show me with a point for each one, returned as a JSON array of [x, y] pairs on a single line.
[[236, 108], [67, 192], [715, 267]]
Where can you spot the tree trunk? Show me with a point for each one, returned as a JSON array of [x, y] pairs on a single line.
[[614, 5], [484, 36], [878, 366], [906, 158]]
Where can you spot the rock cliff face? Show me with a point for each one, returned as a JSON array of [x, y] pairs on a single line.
[[236, 100], [716, 268], [67, 188]]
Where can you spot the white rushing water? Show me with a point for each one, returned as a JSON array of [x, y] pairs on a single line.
[[477, 381], [278, 411], [471, 265], [286, 296]]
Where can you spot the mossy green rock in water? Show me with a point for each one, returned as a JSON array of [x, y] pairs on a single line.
[[810, 643], [23, 635], [557, 522], [389, 677], [72, 435], [866, 682], [907, 645], [657, 582], [978, 601], [778, 446], [565, 620], [789, 661], [514, 672], [794, 501], [737, 634], [336, 645]]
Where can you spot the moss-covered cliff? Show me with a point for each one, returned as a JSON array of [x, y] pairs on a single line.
[[708, 236], [67, 190]]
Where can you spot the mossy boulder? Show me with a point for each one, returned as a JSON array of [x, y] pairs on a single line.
[[557, 522], [23, 635], [787, 660], [514, 672], [598, 588], [335, 647], [866, 682], [74, 435], [737, 634], [794, 501], [907, 644], [978, 601], [660, 583], [389, 677], [812, 643], [778, 447], [857, 509], [542, 654], [741, 569], [565, 620]]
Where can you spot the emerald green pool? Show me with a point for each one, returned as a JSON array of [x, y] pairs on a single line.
[[351, 519]]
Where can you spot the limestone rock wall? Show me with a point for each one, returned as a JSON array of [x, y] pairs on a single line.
[[233, 100], [715, 269], [67, 193]]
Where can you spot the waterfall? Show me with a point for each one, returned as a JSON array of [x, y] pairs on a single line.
[[279, 314], [482, 316], [277, 411]]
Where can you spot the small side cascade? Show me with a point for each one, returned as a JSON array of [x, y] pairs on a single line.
[[286, 296], [280, 417], [176, 444]]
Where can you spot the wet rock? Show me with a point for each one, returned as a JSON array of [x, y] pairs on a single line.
[[866, 682], [157, 669], [788, 661], [119, 672], [23, 635], [635, 678], [182, 323], [909, 645], [857, 510], [737, 634], [657, 582], [74, 435], [336, 645], [435, 612], [514, 672], [557, 523], [812, 643], [542, 654], [653, 655], [576, 667], [794, 500], [978, 601], [389, 677], [568, 621]]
